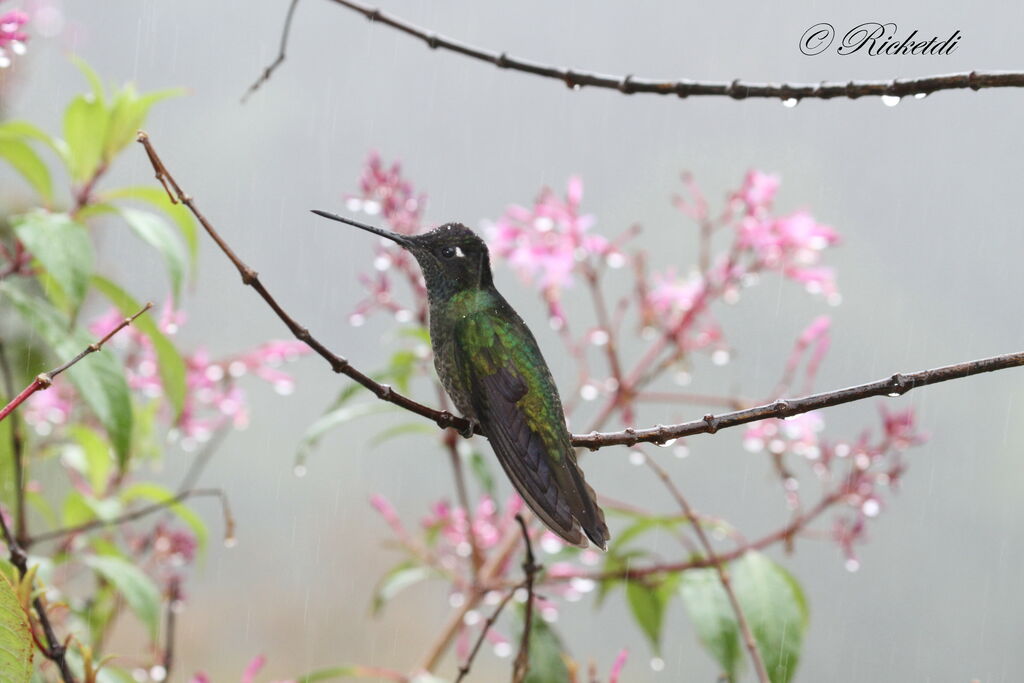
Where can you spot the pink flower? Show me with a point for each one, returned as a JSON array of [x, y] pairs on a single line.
[[758, 191], [543, 243], [385, 191], [12, 38], [674, 294], [50, 408], [617, 666]]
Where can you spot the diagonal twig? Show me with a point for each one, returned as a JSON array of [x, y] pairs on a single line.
[[723, 573], [736, 89], [522, 664], [44, 380], [279, 60]]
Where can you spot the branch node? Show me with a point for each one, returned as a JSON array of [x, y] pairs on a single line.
[[433, 41], [249, 276], [502, 62], [626, 85], [781, 407], [972, 80], [374, 14], [736, 90], [44, 380], [712, 423]]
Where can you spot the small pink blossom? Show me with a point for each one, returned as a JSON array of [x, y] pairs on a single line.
[[385, 191], [50, 408], [758, 190], [674, 294], [618, 665], [12, 38], [544, 243]]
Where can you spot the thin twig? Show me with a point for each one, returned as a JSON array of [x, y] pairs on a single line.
[[44, 380], [467, 665], [279, 60], [628, 85], [229, 521], [173, 600], [53, 649], [442, 418], [530, 568], [723, 573]]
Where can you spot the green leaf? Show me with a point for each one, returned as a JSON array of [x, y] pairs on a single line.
[[776, 610], [173, 372], [28, 131], [155, 493], [76, 510], [396, 580], [332, 419], [648, 606], [772, 602], [96, 454], [16, 648], [482, 471], [26, 162], [159, 235], [332, 672], [402, 430], [63, 248], [713, 617], [98, 378], [138, 589], [90, 75], [128, 112], [157, 198], [546, 662], [85, 130]]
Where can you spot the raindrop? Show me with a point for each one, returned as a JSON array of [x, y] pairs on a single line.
[[354, 204], [588, 392], [492, 598], [582, 585], [456, 600], [893, 394], [371, 207], [463, 549], [284, 388], [299, 471], [871, 507], [236, 368], [549, 614], [403, 315], [637, 458], [556, 323], [230, 542], [5, 61], [472, 618], [753, 444], [382, 262], [790, 102], [681, 451], [550, 544], [777, 446], [720, 357], [17, 47], [842, 450], [520, 595], [667, 444], [158, 673], [502, 650], [611, 384], [615, 260], [657, 663], [356, 319], [920, 95], [890, 100], [852, 564], [599, 337]]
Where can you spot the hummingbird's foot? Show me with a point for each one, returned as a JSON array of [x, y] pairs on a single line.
[[470, 429]]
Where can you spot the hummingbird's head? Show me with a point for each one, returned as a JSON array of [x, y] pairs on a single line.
[[453, 257]]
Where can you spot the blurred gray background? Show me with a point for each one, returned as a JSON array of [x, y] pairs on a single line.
[[925, 194]]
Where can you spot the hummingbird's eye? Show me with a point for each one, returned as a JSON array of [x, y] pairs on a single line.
[[449, 252]]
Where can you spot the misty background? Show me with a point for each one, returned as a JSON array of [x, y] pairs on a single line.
[[926, 196]]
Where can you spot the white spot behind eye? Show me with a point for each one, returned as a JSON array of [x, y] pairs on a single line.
[[459, 252]]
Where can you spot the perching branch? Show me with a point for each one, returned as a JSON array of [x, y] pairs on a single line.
[[628, 85], [269, 70], [895, 385], [44, 380]]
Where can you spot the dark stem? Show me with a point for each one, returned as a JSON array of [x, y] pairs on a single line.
[[279, 60], [530, 568], [628, 85]]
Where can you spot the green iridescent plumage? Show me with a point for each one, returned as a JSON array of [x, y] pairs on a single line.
[[489, 363]]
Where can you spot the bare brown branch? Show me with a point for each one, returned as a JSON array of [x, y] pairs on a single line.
[[736, 89]]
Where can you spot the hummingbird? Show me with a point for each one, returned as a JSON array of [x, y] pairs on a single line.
[[490, 365]]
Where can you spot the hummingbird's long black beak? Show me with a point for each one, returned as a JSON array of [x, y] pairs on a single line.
[[393, 236]]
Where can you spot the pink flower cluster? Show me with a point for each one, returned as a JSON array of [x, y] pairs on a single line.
[[213, 398], [12, 37], [544, 242], [248, 675], [870, 465]]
